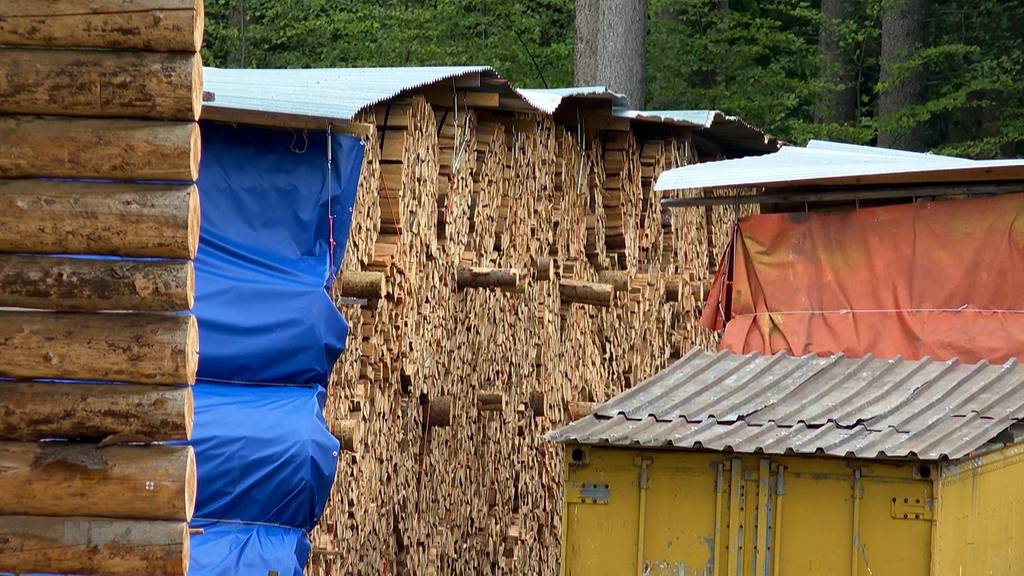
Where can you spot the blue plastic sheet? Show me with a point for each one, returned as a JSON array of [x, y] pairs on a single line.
[[269, 336]]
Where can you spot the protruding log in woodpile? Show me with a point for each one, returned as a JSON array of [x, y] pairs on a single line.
[[581, 292], [438, 412], [490, 401], [76, 545], [358, 284], [349, 433], [486, 277], [141, 348], [38, 410], [91, 218], [97, 148], [619, 279], [88, 284], [57, 479], [158, 25], [166, 86], [538, 404]]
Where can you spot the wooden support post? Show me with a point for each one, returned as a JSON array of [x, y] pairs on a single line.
[[94, 83], [360, 284], [75, 545], [46, 217], [98, 148], [580, 292], [439, 414], [547, 269], [619, 279], [38, 410], [481, 277], [349, 434], [158, 25], [141, 348], [80, 284], [56, 479], [579, 410], [490, 401]]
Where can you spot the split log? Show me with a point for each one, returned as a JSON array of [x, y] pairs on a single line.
[[32, 411], [483, 277], [85, 218], [75, 545], [619, 279], [580, 292], [101, 84], [489, 401], [159, 25], [55, 147], [57, 479], [141, 348], [52, 283], [358, 284]]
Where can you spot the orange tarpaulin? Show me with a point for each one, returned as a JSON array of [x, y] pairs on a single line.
[[940, 279]]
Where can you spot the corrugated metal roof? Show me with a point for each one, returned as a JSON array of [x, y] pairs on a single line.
[[830, 163], [863, 407], [338, 93], [548, 100]]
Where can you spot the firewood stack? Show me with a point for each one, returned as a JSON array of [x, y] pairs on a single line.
[[97, 356], [528, 271]]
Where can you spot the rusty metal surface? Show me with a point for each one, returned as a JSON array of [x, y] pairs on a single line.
[[864, 407]]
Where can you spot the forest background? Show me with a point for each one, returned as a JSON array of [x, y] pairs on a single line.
[[938, 75]]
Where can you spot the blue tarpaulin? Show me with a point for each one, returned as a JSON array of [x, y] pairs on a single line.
[[269, 335]]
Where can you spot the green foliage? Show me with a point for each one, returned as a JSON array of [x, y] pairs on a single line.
[[758, 59]]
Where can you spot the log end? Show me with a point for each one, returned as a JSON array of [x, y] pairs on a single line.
[[195, 150], [191, 350], [197, 87], [186, 551], [439, 412], [349, 434], [194, 216], [190, 285], [190, 486], [198, 25]]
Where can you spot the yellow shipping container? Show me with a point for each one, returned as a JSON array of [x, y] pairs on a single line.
[[762, 465]]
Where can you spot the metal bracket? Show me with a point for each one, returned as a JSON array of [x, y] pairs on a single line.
[[911, 509], [587, 493]]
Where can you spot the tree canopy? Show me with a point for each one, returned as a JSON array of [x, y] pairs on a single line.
[[759, 59]]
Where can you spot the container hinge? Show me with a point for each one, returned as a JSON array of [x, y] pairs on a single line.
[[912, 509], [587, 493]]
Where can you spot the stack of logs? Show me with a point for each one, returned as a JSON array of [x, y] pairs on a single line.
[[97, 350], [503, 275]]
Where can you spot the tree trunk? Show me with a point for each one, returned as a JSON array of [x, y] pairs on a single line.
[[580, 292], [137, 482], [54, 147], [101, 84], [31, 411], [142, 220], [838, 100], [158, 25], [610, 37], [588, 22], [140, 348], [904, 31], [74, 545], [620, 60], [50, 283]]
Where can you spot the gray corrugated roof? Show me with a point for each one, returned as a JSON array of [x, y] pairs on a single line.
[[830, 163], [338, 93], [863, 407]]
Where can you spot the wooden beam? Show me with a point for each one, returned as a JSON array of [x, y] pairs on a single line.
[[53, 283], [848, 195], [215, 113], [140, 348], [76, 545], [57, 479], [490, 401], [580, 292], [160, 221], [74, 411], [158, 25], [167, 86], [53, 147], [619, 279]]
